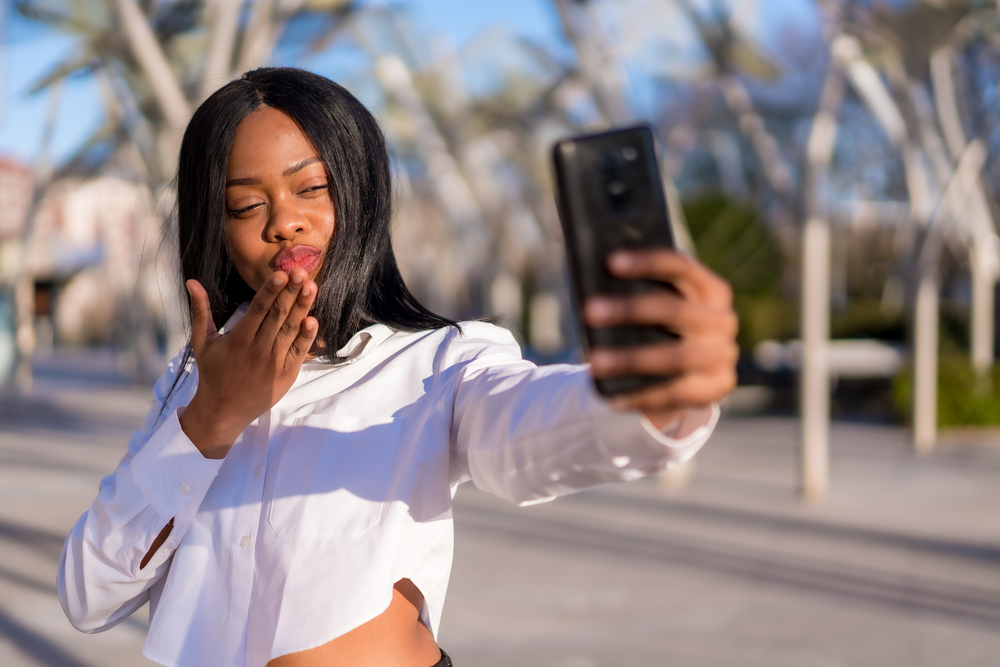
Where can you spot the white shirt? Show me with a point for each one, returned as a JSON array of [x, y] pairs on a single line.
[[343, 488]]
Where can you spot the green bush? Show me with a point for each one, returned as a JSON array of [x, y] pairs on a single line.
[[865, 318], [962, 399], [732, 240], [765, 318]]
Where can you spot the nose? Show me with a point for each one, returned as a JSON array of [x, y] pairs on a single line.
[[286, 222]]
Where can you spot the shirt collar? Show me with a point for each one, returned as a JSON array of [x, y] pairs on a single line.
[[360, 344]]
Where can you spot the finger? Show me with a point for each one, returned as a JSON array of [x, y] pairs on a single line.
[[693, 280], [202, 323], [280, 309], [661, 308], [291, 327], [303, 342], [689, 391], [261, 304], [678, 358]]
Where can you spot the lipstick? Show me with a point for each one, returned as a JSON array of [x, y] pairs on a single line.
[[305, 256]]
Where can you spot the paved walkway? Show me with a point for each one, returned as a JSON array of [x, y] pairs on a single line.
[[900, 566]]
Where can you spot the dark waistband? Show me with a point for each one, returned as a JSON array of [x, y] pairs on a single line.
[[445, 660]]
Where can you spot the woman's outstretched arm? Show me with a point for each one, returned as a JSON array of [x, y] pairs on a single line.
[[529, 434]]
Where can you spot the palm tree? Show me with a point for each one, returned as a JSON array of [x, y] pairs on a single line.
[[155, 62]]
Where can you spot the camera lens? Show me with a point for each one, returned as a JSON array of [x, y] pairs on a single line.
[[611, 161], [629, 153], [616, 188]]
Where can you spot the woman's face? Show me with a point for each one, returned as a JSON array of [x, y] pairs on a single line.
[[280, 210]]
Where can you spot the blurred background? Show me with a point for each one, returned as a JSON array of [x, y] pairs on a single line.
[[834, 160]]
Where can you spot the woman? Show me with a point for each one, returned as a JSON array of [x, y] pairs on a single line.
[[288, 502]]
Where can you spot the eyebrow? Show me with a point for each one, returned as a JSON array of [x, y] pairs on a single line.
[[253, 180]]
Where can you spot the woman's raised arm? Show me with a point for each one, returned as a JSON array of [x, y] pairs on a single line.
[[122, 544], [104, 572], [247, 370]]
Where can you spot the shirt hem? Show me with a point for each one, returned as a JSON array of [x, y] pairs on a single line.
[[159, 661], [338, 633]]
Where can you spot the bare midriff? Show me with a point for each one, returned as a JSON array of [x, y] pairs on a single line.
[[394, 638]]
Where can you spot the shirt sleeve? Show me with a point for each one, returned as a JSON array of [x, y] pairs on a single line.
[[529, 434], [162, 476]]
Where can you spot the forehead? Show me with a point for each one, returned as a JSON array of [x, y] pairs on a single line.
[[267, 141]]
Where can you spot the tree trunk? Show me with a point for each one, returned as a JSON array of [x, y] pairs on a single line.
[[982, 266], [752, 126], [468, 253], [873, 92], [173, 105], [225, 22], [596, 67], [24, 280]]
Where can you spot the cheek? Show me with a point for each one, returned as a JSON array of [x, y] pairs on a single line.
[[246, 256], [324, 219]]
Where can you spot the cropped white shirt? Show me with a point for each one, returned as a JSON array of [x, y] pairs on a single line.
[[343, 488]]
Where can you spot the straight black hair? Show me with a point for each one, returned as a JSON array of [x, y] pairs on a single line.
[[359, 282]]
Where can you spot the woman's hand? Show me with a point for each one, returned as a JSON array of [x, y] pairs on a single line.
[[702, 361], [245, 371]]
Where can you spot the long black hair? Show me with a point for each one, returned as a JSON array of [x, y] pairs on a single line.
[[359, 282]]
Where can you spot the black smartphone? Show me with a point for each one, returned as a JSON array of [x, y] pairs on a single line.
[[610, 196]]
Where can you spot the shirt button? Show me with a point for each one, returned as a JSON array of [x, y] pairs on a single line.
[[256, 471], [244, 541], [184, 490]]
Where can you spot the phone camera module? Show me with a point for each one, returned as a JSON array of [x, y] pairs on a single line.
[[616, 188], [611, 161], [629, 153]]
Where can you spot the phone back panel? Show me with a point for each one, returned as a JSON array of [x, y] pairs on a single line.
[[610, 196]]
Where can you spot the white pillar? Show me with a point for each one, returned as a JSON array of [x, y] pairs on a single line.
[[983, 286], [24, 333], [925, 368], [815, 377]]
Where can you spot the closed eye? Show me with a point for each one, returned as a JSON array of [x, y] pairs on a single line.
[[316, 188], [235, 213]]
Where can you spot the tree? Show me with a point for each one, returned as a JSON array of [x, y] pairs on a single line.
[[155, 63]]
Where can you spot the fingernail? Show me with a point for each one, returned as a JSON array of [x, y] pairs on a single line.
[[276, 279], [305, 291], [296, 278], [621, 261], [602, 360], [600, 309]]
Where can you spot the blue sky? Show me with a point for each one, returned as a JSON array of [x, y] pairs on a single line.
[[29, 51]]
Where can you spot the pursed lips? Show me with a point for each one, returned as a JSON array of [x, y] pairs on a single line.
[[306, 256]]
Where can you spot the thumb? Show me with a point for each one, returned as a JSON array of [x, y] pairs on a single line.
[[202, 324]]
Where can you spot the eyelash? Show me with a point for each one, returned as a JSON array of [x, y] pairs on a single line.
[[235, 213]]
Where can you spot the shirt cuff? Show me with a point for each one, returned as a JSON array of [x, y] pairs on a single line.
[[692, 427], [172, 474]]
